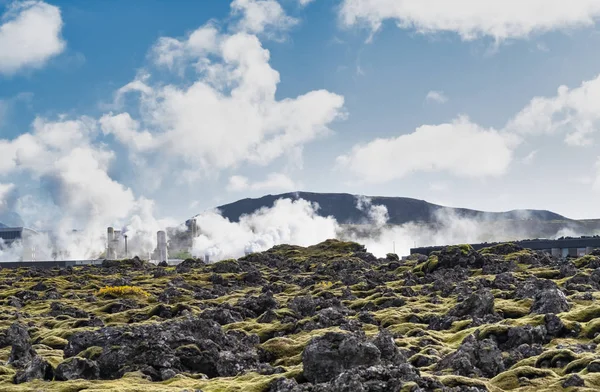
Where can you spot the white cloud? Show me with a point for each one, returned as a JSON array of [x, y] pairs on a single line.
[[228, 115], [304, 3], [238, 183], [529, 158], [262, 16], [471, 19], [436, 96], [5, 192], [30, 34], [596, 185], [439, 186], [460, 148], [574, 111], [274, 181]]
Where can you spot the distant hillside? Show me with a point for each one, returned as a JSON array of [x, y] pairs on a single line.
[[401, 210], [342, 206]]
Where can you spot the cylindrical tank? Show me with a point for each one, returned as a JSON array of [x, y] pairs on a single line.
[[162, 247], [111, 251]]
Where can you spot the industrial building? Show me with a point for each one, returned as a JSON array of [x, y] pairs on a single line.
[[12, 235], [561, 247]]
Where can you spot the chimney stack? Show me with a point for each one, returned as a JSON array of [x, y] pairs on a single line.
[[162, 247], [111, 250]]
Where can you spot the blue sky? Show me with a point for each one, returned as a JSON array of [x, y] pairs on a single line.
[[359, 96]]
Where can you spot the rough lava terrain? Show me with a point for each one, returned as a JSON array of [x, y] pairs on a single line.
[[329, 317]]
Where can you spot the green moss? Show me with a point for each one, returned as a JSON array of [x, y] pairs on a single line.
[[55, 342], [553, 357], [428, 266], [287, 350], [91, 352], [584, 261], [509, 379], [513, 309], [583, 313]]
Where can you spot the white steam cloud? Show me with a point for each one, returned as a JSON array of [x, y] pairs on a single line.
[[290, 222]]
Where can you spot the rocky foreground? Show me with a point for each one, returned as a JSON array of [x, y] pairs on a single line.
[[330, 317]]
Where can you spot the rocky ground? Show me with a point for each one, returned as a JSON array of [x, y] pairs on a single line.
[[330, 317]]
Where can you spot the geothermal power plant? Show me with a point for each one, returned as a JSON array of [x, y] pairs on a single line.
[[117, 248]]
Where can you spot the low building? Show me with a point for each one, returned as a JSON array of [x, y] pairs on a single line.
[[9, 236], [560, 247]]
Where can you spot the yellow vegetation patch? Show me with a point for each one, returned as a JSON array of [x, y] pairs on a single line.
[[122, 291]]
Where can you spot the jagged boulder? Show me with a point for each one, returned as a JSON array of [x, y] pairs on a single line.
[[153, 348], [550, 301], [77, 368], [37, 369], [328, 356], [478, 305], [21, 353], [475, 358]]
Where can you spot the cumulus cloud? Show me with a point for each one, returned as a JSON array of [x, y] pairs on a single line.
[[472, 19], [305, 2], [436, 96], [5, 193], [30, 34], [262, 16], [461, 148], [228, 115], [465, 149], [274, 181], [575, 112]]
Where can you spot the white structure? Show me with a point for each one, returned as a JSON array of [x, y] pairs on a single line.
[[19, 236], [163, 254], [112, 243]]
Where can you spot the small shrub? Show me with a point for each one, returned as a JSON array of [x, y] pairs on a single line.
[[122, 291], [324, 285]]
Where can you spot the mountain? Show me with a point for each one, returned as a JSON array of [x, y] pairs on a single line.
[[492, 225], [401, 210]]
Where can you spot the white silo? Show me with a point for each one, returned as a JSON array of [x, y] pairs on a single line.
[[163, 254]]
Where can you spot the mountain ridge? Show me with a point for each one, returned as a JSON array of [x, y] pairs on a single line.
[[343, 207]]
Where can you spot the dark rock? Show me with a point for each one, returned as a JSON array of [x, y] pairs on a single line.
[[554, 325], [550, 301], [21, 353], [283, 385], [593, 367], [170, 295], [40, 286], [573, 380], [58, 309], [477, 305], [14, 302], [304, 306], [77, 368], [479, 358], [222, 316], [37, 369], [326, 357], [169, 345], [259, 304]]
